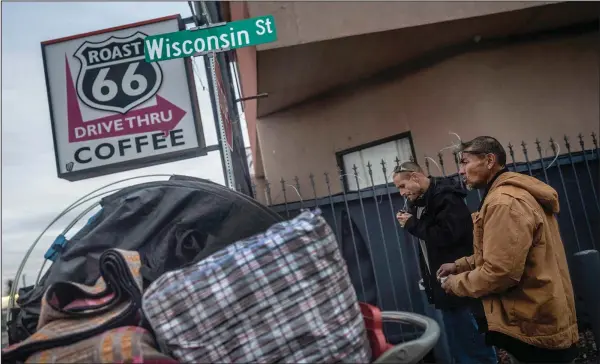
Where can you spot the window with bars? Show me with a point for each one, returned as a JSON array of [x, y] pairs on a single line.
[[398, 147]]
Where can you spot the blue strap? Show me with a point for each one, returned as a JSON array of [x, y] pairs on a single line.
[[55, 248]]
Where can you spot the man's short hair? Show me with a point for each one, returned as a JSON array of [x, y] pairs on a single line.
[[485, 145], [408, 167]]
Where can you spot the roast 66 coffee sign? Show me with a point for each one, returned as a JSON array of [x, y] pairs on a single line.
[[111, 110]]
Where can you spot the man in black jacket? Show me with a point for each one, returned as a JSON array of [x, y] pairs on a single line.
[[440, 220]]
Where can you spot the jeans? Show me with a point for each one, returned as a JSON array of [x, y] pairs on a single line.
[[466, 344]]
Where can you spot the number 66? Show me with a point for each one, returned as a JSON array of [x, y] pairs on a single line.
[[105, 90]]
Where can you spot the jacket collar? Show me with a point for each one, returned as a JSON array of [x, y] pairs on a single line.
[[489, 186]]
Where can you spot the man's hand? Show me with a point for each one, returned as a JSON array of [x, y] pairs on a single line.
[[445, 270], [446, 284], [403, 217]]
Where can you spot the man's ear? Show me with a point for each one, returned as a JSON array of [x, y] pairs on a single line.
[[490, 160]]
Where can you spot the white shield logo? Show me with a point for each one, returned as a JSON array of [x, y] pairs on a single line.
[[114, 75]]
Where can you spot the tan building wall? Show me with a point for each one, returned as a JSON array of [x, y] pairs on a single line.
[[301, 22], [514, 93]]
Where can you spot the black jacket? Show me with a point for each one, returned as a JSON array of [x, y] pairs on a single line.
[[447, 229]]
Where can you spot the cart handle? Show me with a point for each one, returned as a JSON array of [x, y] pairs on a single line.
[[410, 352]]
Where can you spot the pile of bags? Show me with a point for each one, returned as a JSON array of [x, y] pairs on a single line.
[[282, 294]]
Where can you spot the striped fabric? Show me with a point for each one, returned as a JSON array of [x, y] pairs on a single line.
[[128, 344], [75, 316], [281, 296]]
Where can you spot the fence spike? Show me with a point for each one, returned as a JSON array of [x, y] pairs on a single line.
[[383, 169], [369, 165], [287, 211], [594, 140], [298, 191], [525, 154], [427, 166], [567, 144], [355, 169], [268, 189], [311, 177], [524, 145], [441, 158], [297, 183], [581, 143], [544, 168], [512, 156], [397, 160], [553, 145]]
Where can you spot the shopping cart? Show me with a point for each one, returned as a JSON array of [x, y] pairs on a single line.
[[409, 352]]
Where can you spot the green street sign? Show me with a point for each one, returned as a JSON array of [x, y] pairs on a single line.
[[186, 43]]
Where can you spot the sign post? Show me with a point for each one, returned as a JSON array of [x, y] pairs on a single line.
[[112, 111]]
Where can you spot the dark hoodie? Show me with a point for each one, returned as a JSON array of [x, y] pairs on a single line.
[[446, 227]]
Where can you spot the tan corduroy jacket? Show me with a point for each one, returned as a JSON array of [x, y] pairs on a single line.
[[519, 268]]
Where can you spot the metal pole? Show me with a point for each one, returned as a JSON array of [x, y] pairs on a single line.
[[204, 14]]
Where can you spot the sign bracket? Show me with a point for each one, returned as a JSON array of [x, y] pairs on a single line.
[[206, 26]]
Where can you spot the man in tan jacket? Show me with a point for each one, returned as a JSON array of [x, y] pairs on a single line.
[[519, 268]]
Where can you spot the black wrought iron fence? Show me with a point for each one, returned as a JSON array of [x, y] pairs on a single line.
[[382, 258]]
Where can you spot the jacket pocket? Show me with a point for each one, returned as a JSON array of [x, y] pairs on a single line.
[[507, 306]]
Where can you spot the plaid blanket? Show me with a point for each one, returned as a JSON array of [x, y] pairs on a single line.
[[72, 313], [281, 296]]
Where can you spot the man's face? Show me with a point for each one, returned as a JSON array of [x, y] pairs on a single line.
[[408, 185], [474, 169]]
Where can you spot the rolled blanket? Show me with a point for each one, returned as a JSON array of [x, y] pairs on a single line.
[[72, 312], [128, 344], [284, 296]]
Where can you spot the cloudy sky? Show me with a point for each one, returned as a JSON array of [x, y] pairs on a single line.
[[32, 194]]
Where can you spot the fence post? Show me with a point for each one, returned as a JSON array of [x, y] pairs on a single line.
[[396, 227], [383, 242], [512, 156], [587, 267], [427, 166], [362, 284], [581, 198], [268, 188], [331, 204], [287, 211], [441, 159], [314, 188], [553, 144], [589, 171], [595, 142], [299, 193], [539, 149]]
